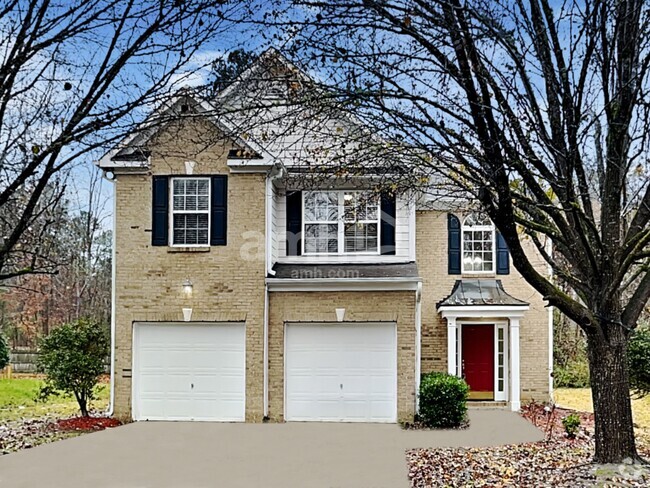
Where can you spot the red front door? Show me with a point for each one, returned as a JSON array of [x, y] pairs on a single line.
[[478, 360]]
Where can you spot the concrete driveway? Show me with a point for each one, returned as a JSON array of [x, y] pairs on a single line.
[[198, 455]]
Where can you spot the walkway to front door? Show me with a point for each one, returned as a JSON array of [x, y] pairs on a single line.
[[478, 360], [202, 454]]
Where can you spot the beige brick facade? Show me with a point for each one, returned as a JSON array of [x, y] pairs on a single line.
[[229, 283], [379, 306], [227, 286], [431, 247]]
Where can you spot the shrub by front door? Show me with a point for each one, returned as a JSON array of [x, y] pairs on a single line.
[[478, 360]]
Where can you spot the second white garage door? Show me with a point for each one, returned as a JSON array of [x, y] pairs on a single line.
[[341, 372], [187, 371]]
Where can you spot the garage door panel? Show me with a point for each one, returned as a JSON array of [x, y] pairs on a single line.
[[190, 372], [341, 372]]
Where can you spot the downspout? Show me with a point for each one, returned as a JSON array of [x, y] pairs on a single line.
[[111, 401], [418, 343], [276, 172]]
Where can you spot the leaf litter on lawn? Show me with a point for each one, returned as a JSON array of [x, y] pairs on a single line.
[[556, 462]]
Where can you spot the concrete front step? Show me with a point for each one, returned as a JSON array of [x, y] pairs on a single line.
[[486, 404]]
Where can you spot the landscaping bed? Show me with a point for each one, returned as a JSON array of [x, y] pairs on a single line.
[[24, 434], [26, 422], [556, 462]]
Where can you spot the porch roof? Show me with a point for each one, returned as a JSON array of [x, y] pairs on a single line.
[[480, 292]]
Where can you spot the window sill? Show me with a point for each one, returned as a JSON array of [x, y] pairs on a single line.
[[174, 249], [478, 275]]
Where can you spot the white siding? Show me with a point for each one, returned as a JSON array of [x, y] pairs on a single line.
[[402, 237], [276, 237]]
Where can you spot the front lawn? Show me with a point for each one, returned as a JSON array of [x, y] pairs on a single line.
[[580, 399], [18, 401]]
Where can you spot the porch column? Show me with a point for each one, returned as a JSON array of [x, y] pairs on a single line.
[[452, 367], [515, 401]]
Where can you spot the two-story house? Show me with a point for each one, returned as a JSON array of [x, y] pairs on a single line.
[[243, 290]]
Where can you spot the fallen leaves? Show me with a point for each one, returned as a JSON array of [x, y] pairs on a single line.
[[27, 433], [556, 462]]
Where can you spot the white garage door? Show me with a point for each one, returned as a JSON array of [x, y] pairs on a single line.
[[341, 372], [189, 371]]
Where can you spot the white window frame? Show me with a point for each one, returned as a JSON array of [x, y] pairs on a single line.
[[173, 212], [341, 226], [477, 228]]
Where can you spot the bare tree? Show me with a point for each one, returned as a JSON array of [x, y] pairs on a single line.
[[538, 112], [74, 77]]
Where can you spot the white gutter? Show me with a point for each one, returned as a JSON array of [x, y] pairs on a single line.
[[343, 284], [418, 344], [111, 401]]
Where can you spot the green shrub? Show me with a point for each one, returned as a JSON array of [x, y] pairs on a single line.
[[4, 352], [443, 400], [72, 357], [573, 375], [639, 361], [571, 425]]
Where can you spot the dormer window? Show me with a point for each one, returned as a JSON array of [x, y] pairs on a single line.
[[478, 249], [341, 222]]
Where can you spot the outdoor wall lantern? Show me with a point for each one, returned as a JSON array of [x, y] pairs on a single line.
[[188, 287]]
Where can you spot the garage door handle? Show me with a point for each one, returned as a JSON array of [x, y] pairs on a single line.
[[341, 386], [192, 385]]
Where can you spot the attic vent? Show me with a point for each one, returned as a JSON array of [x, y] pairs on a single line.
[[185, 108]]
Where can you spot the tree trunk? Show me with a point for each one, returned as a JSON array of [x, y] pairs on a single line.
[[83, 406], [610, 389]]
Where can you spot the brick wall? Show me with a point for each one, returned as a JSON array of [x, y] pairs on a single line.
[[396, 306], [228, 280], [431, 248]]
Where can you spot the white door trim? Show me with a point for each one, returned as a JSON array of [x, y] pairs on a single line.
[[498, 396]]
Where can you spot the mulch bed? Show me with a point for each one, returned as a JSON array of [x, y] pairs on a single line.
[[556, 462], [87, 424]]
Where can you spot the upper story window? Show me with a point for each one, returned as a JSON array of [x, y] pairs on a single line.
[[341, 222], [478, 249], [190, 212]]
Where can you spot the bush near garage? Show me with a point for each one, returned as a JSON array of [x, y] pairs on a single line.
[[443, 400], [72, 357]]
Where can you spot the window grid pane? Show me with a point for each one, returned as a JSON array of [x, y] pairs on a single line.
[[338, 221], [190, 211], [478, 246]]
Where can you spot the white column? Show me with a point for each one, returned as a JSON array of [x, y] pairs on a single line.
[[515, 401], [452, 367]]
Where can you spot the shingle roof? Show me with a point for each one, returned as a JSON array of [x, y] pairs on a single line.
[[479, 292], [343, 271]]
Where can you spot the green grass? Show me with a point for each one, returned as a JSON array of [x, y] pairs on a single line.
[[18, 400], [580, 399]]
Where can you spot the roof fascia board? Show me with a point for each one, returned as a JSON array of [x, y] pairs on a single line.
[[343, 284], [483, 311]]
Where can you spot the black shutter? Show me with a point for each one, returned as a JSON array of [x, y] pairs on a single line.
[[503, 255], [160, 211], [294, 223], [219, 211], [387, 238], [453, 244]]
